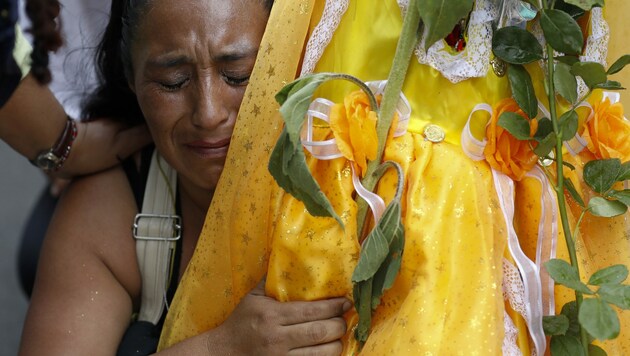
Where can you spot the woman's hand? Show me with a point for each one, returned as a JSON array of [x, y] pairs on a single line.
[[263, 326], [101, 144]]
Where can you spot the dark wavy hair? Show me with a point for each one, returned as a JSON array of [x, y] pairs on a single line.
[[46, 37], [113, 98]]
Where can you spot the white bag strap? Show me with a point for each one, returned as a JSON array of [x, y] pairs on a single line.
[[156, 230]]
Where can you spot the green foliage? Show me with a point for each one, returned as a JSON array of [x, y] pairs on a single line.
[[287, 165], [516, 46], [546, 145], [515, 124], [564, 345], [586, 4], [555, 324], [440, 16], [622, 195], [594, 350], [523, 90], [568, 185], [602, 174], [591, 72], [380, 258], [609, 85], [294, 99], [624, 172], [568, 125], [599, 206], [561, 31], [567, 275], [565, 82], [609, 275], [545, 127], [598, 319], [619, 64], [616, 294]]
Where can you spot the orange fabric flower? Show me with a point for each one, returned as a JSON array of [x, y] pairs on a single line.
[[354, 127], [503, 151], [608, 134]]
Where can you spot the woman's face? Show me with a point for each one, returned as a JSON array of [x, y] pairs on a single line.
[[191, 63]]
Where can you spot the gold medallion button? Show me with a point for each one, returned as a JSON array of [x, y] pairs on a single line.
[[434, 133]]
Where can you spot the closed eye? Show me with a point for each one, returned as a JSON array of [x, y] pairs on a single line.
[[173, 86], [236, 80]]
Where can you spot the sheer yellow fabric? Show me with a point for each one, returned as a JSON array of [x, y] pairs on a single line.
[[448, 298], [231, 254]]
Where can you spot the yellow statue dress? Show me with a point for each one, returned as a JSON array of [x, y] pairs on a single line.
[[458, 287]]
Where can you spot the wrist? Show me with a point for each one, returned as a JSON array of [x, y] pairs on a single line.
[[52, 159]]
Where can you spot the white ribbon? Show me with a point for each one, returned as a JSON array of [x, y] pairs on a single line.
[[546, 247], [504, 186], [533, 275], [328, 149]]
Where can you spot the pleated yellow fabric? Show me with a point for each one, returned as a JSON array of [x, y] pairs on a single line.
[[448, 297]]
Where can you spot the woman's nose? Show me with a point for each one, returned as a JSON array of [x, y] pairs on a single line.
[[210, 106]]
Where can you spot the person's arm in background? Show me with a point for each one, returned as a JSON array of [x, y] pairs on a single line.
[[32, 120]]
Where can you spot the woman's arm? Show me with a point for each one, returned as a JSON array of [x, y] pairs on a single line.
[[32, 120], [88, 274]]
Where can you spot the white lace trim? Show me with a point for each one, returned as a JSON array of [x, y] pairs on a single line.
[[323, 33], [474, 60], [510, 345], [514, 293], [513, 288]]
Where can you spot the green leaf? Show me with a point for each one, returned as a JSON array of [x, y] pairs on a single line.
[[295, 99], [624, 172], [592, 73], [568, 125], [563, 345], [287, 165], [598, 319], [609, 85], [619, 64], [572, 10], [374, 251], [602, 174], [622, 195], [570, 311], [440, 16], [362, 295], [568, 184], [599, 206], [515, 124], [565, 82], [565, 274], [609, 275], [616, 294], [568, 60], [386, 275], [546, 145], [515, 45], [555, 324], [545, 127], [523, 90], [586, 5], [594, 350], [376, 247], [561, 31]]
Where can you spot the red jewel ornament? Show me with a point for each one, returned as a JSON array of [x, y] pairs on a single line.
[[455, 39]]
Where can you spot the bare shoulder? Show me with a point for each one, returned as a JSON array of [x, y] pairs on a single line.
[[88, 276]]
